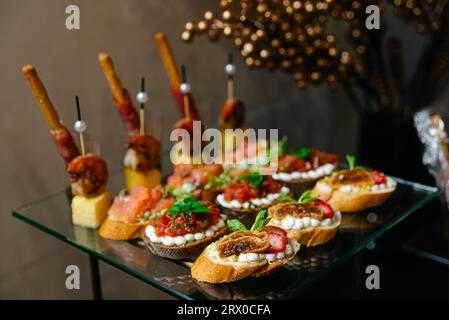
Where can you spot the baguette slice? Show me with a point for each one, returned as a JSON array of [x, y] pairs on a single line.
[[271, 267], [247, 212], [189, 251], [208, 269], [315, 236], [353, 202], [118, 230]]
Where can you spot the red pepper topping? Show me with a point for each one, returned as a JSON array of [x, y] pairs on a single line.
[[378, 177]]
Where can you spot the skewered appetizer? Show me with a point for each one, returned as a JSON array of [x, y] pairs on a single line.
[[64, 142], [129, 214], [310, 221], [182, 98], [355, 189], [89, 177], [243, 253], [201, 181], [302, 169], [142, 150], [185, 229], [88, 173], [251, 194], [232, 114]]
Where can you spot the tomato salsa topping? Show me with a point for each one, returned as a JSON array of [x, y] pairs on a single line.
[[304, 160], [251, 187], [186, 216]]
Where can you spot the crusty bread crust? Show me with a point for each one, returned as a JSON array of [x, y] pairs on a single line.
[[206, 270], [118, 230], [353, 202], [190, 250], [313, 236]]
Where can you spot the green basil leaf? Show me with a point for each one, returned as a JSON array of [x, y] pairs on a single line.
[[351, 161], [285, 197], [260, 221], [304, 153], [306, 197], [188, 206], [236, 225], [255, 179]]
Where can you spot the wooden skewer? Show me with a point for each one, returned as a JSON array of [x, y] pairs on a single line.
[[185, 96], [142, 109], [111, 76], [230, 80], [81, 132], [168, 59], [45, 104]]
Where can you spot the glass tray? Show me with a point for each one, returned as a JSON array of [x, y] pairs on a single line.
[[52, 215], [432, 241]]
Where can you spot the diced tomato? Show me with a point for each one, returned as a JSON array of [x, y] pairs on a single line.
[[270, 186], [291, 163], [378, 177], [242, 191], [326, 209]]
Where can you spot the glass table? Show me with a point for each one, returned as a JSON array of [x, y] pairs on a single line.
[[52, 215], [432, 241]]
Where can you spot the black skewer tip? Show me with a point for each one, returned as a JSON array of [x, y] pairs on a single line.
[[142, 84], [183, 74], [78, 110]]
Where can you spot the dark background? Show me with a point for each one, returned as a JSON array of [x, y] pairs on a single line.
[[33, 32]]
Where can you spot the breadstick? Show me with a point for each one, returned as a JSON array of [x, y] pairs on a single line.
[[168, 59], [38, 89], [109, 72]]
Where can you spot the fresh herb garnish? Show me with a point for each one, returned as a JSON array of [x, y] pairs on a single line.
[[236, 225], [351, 161], [282, 145], [303, 153], [285, 197], [217, 181], [306, 197], [255, 179], [188, 206], [261, 220]]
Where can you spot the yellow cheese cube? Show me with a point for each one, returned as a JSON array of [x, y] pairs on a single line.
[[147, 179], [90, 212]]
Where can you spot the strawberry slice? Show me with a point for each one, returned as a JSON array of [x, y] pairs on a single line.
[[378, 177], [277, 237], [274, 229], [326, 208]]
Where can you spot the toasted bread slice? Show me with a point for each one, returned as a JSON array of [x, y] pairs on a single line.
[[353, 202], [315, 236], [118, 230], [206, 269], [190, 250]]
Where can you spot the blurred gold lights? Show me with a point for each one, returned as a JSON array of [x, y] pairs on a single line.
[[294, 35]]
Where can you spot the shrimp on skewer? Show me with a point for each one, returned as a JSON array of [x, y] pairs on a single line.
[[88, 175], [142, 152]]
